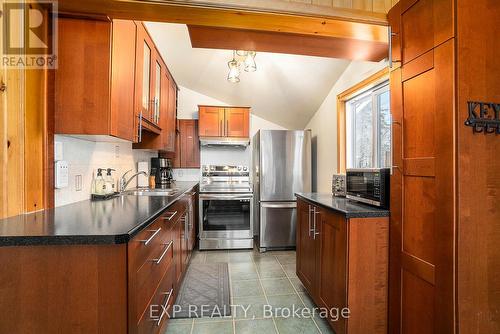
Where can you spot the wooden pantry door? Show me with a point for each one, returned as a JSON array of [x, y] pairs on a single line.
[[422, 229], [423, 218]]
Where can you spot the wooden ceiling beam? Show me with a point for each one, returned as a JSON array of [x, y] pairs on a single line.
[[370, 30], [264, 41]]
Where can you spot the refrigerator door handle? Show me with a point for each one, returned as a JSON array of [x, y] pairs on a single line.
[[280, 205]]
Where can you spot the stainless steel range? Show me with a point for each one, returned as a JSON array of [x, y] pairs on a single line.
[[226, 208]]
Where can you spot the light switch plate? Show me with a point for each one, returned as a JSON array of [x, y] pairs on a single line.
[[62, 174], [58, 151]]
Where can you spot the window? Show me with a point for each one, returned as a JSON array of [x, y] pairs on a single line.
[[368, 128]]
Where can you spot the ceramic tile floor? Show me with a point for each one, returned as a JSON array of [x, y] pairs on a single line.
[[256, 279]]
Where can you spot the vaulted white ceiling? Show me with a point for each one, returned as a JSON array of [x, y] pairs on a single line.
[[285, 89]]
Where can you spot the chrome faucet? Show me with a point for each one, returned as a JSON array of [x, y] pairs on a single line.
[[124, 182]]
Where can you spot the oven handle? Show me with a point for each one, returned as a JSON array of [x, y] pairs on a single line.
[[225, 196]]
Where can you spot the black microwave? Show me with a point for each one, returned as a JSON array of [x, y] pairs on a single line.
[[369, 185]]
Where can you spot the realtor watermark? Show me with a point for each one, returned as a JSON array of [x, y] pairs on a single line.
[[245, 311], [29, 31]]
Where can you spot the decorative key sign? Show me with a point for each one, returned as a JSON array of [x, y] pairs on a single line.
[[483, 117]]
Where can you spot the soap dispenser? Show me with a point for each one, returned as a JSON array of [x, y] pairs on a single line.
[[100, 183], [110, 181]]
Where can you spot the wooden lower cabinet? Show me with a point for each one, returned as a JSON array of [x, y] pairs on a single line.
[[115, 288], [343, 263], [332, 264], [306, 247]]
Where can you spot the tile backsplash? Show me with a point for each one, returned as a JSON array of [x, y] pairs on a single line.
[[84, 157], [192, 174]]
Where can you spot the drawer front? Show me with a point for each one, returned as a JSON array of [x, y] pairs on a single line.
[[150, 255], [145, 245], [151, 272], [153, 320]]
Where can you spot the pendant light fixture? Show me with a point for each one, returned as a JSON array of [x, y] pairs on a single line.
[[241, 58], [250, 65], [234, 70]]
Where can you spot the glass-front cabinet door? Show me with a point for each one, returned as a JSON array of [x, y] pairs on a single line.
[[146, 79], [157, 92]]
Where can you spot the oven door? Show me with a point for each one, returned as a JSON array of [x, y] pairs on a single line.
[[226, 215]]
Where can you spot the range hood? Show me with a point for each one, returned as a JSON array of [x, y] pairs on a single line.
[[224, 141]]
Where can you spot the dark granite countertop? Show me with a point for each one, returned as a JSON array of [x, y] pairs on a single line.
[[111, 221], [349, 208]]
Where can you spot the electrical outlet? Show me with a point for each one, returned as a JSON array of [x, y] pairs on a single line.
[[78, 182], [117, 151]]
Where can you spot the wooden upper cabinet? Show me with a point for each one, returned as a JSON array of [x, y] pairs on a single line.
[[157, 71], [187, 153], [224, 121], [122, 79], [425, 24], [145, 73], [171, 115], [211, 121], [112, 81], [237, 122], [94, 83]]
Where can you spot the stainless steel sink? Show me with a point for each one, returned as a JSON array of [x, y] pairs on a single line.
[[152, 192]]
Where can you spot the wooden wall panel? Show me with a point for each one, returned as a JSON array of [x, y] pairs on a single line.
[[12, 195], [478, 170], [35, 139]]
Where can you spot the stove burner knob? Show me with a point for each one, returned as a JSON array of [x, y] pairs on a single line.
[[245, 169], [239, 168]]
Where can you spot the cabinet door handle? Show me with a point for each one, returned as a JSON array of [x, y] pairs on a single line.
[[148, 240], [390, 46], [227, 127], [164, 306], [158, 260], [309, 219], [172, 215], [140, 126], [314, 223], [221, 130]]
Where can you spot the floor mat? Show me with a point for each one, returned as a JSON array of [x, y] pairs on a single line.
[[205, 292]]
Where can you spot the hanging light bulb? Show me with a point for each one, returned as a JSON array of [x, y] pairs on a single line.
[[234, 71], [250, 65]]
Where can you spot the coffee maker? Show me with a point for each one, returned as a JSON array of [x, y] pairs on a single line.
[[163, 171]]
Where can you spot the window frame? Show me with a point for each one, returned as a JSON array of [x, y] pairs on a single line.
[[369, 83]]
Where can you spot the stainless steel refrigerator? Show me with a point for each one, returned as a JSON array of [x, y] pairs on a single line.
[[281, 167]]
